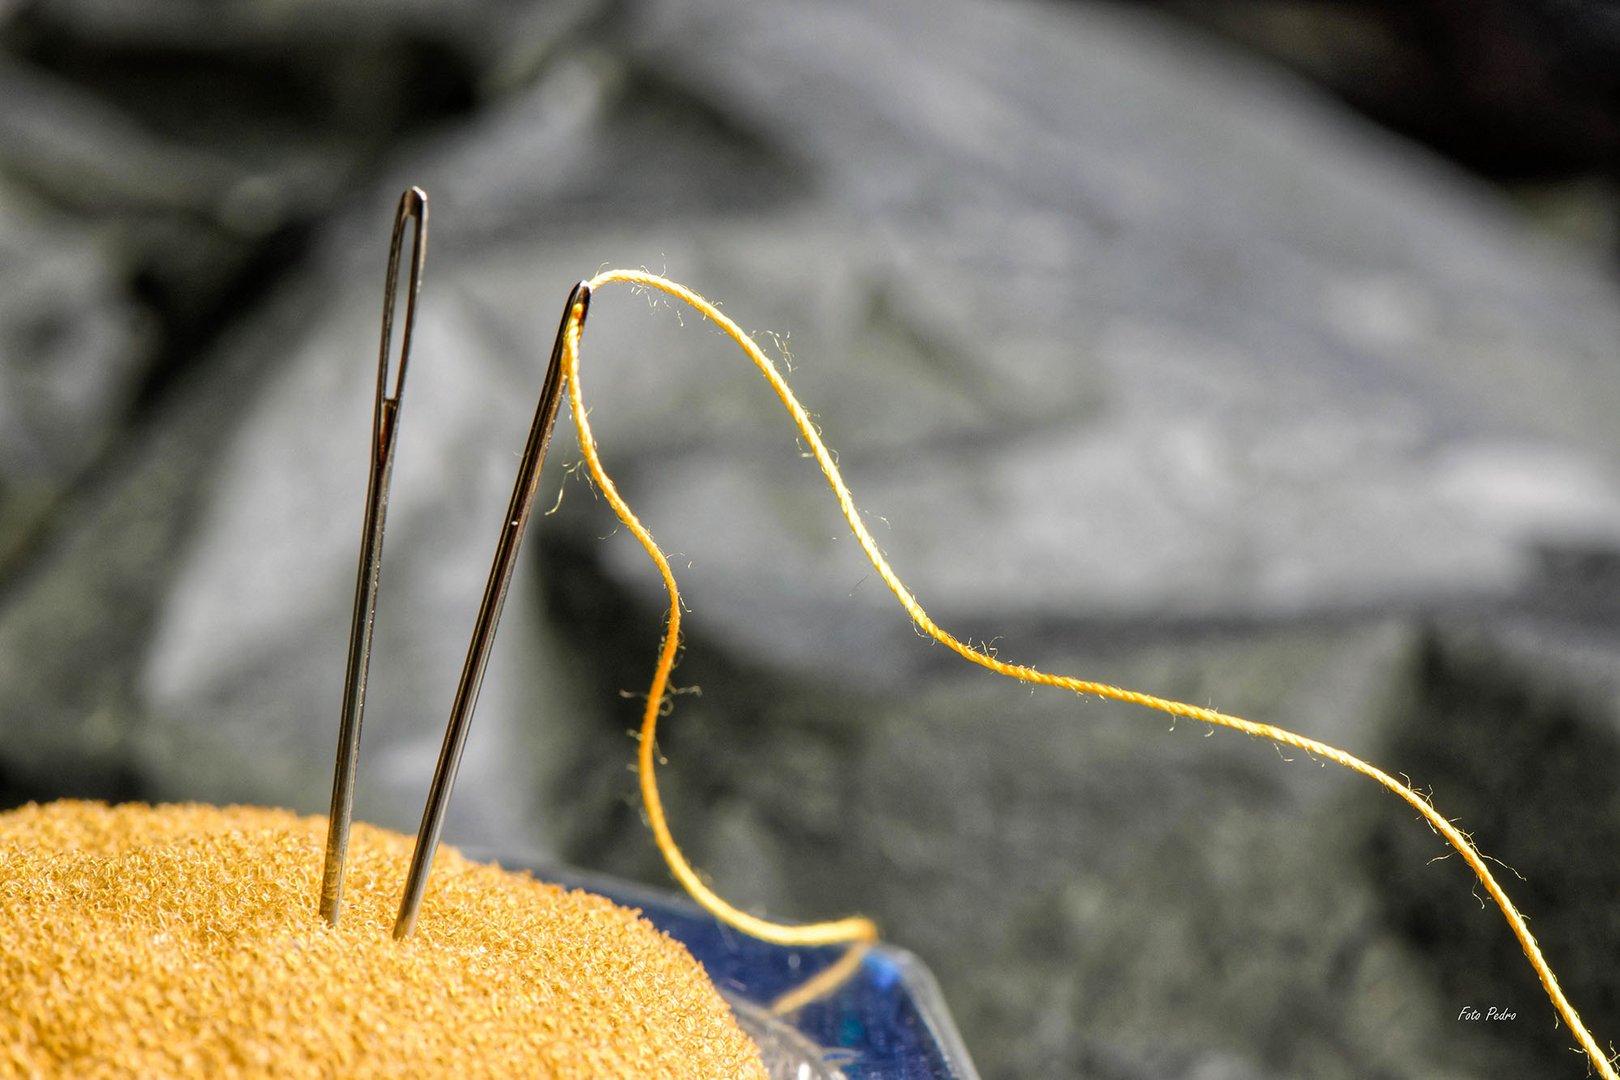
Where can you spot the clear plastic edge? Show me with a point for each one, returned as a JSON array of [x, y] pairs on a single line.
[[914, 974]]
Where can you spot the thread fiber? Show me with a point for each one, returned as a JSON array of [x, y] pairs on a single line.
[[859, 929]]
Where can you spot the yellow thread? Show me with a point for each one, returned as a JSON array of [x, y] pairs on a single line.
[[824, 982], [861, 929], [855, 928]]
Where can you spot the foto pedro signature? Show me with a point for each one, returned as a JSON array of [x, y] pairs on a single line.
[[1490, 1012]]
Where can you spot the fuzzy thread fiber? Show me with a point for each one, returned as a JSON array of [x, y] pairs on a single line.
[[858, 929]]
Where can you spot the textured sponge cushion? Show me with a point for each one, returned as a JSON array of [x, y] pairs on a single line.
[[185, 941]]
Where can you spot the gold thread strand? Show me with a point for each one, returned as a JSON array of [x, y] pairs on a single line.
[[824, 982], [858, 928]]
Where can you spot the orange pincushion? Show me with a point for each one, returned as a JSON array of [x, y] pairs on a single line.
[[184, 940]]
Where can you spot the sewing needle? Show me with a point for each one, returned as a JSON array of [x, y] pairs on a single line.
[[489, 614], [385, 427]]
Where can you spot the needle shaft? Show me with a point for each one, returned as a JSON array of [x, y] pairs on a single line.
[[489, 614], [385, 428]]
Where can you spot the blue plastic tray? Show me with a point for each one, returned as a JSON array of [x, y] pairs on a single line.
[[887, 1021]]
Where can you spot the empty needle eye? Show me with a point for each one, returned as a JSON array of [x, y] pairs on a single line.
[[385, 415], [413, 209]]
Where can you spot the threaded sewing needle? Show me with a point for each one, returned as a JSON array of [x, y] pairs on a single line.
[[385, 428], [489, 615]]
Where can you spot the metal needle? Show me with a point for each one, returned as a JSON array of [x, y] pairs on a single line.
[[489, 614], [385, 421]]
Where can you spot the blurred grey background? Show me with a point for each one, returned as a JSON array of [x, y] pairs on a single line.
[[1259, 353]]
